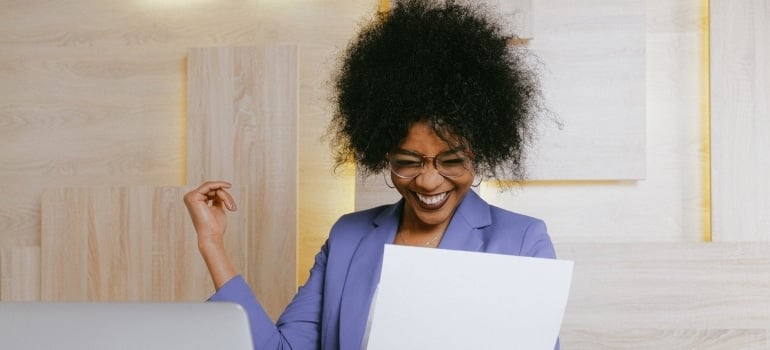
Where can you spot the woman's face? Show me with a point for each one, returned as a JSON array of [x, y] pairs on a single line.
[[430, 198]]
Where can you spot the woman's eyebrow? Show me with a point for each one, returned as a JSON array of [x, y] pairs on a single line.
[[406, 151]]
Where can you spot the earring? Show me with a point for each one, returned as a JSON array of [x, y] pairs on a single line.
[[385, 177], [481, 178]]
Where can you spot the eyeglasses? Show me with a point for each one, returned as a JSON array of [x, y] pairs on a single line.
[[408, 165]]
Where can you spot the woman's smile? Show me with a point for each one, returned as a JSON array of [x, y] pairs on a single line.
[[432, 202]]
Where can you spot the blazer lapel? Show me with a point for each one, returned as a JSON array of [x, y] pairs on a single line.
[[363, 277], [462, 233]]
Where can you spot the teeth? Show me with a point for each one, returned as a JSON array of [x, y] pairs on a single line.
[[430, 200]]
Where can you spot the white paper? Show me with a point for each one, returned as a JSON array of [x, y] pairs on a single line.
[[444, 299]]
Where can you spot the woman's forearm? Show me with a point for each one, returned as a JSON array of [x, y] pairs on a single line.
[[217, 260]]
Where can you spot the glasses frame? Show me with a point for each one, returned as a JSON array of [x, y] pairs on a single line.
[[466, 165]]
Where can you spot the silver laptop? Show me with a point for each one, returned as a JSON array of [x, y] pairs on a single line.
[[123, 326]]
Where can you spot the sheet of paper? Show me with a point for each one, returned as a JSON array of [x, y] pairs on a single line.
[[445, 299]]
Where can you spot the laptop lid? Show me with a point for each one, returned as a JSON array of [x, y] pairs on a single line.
[[122, 326]]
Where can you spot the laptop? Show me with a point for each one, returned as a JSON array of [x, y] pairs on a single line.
[[123, 326]]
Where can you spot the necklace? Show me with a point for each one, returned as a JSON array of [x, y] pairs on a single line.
[[400, 237]]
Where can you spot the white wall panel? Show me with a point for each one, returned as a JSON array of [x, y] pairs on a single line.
[[740, 123], [593, 56], [668, 204]]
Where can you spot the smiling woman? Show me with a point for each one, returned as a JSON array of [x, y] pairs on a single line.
[[430, 92]]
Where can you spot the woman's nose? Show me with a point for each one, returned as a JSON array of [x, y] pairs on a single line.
[[429, 178]]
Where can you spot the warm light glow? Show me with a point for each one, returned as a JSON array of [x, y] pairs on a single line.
[[384, 6]]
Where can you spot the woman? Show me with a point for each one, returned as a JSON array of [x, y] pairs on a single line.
[[433, 94]]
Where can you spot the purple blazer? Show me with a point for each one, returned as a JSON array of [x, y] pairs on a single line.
[[331, 310]]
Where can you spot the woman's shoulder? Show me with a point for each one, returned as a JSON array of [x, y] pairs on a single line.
[[479, 213], [348, 231], [515, 233], [361, 217], [505, 217], [360, 222]]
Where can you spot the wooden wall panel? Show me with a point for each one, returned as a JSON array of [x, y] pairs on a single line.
[[126, 243], [94, 92], [740, 119], [242, 127], [20, 221], [74, 119], [668, 295], [20, 274]]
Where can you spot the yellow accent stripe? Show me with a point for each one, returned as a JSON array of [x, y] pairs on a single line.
[[706, 120]]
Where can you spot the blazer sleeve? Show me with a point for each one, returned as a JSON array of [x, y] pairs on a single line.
[[299, 327]]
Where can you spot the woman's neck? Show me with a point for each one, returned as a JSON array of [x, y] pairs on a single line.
[[414, 233]]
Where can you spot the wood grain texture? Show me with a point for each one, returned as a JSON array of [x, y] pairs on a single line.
[[701, 287], [643, 339], [20, 218], [740, 119], [242, 127], [20, 274], [94, 92], [91, 24], [126, 244]]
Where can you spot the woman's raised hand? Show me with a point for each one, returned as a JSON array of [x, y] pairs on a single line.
[[206, 205]]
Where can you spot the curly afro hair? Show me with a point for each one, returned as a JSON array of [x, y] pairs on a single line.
[[446, 64]]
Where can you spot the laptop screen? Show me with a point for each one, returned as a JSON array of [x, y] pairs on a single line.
[[123, 325]]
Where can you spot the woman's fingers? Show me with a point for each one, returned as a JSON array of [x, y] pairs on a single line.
[[215, 191], [212, 186], [207, 205], [225, 197]]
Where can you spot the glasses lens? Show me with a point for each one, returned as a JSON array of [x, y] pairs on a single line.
[[405, 165], [452, 164]]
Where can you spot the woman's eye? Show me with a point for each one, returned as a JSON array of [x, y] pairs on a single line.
[[407, 163], [452, 161]]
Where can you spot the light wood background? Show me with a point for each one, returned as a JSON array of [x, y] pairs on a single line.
[[668, 296], [242, 127], [127, 243], [740, 88], [93, 114]]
